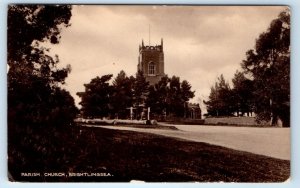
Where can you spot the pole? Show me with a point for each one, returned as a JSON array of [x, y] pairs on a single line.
[[149, 35]]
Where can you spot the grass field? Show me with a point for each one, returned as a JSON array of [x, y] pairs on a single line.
[[130, 156]]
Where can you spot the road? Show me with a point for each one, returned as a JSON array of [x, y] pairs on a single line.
[[272, 142]]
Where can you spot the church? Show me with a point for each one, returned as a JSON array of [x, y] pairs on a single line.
[[151, 63]]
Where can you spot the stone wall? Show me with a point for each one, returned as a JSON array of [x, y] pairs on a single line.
[[249, 121]]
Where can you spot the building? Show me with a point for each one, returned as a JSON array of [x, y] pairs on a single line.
[[193, 111], [151, 62]]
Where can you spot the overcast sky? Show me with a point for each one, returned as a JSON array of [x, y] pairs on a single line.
[[200, 42]]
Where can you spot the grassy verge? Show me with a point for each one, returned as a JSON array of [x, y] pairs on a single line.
[[121, 156], [164, 127]]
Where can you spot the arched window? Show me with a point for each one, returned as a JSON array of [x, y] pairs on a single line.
[[151, 68]]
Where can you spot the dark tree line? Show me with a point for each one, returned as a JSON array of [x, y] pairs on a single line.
[[38, 107], [169, 96], [226, 101], [34, 92], [264, 85], [102, 99]]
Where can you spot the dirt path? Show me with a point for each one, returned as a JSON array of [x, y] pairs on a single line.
[[272, 142]]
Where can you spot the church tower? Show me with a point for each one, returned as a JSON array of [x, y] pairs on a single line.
[[151, 62]]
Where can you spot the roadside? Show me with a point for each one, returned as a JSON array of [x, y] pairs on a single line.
[[107, 155], [272, 142]]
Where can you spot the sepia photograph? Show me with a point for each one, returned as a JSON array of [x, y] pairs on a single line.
[[148, 93]]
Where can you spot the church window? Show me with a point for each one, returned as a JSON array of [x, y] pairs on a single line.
[[151, 70]]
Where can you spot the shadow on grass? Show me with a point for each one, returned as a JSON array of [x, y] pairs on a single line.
[[103, 155]]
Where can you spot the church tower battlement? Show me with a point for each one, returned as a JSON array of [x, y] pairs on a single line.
[[151, 62]]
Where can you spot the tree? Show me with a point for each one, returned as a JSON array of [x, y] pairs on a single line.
[[268, 64], [212, 103], [140, 88], [243, 94], [37, 106], [95, 101], [186, 92], [174, 100], [153, 101], [157, 98], [140, 92], [62, 107], [33, 77], [220, 99], [28, 24], [102, 99], [170, 96], [122, 96]]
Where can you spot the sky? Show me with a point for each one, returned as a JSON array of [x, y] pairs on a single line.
[[200, 42]]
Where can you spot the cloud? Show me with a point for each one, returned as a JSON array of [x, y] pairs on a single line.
[[200, 42]]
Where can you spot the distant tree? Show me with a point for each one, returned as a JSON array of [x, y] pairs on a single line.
[[153, 101], [163, 90], [33, 77], [220, 99], [140, 88], [187, 94], [175, 99], [95, 100], [170, 96], [157, 98], [225, 97], [212, 102], [140, 92], [269, 66], [243, 94], [122, 97]]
